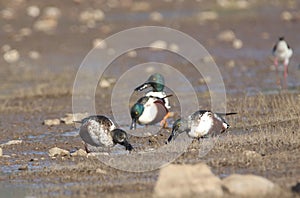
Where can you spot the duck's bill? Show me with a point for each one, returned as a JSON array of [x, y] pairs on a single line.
[[133, 125], [172, 137], [142, 87], [127, 145]]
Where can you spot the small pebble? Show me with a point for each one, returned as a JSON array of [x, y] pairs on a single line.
[[208, 16], [104, 83], [79, 152], [132, 54], [140, 6], [34, 160], [286, 16], [12, 142], [7, 13], [226, 36], [5, 48], [207, 59], [237, 44], [11, 56], [25, 32], [33, 11], [251, 154], [52, 12], [34, 55], [51, 122], [1, 152], [45, 25], [99, 170], [174, 47], [23, 167], [230, 64], [53, 152], [158, 45], [99, 43], [156, 16]]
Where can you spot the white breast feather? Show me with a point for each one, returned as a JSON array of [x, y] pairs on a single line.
[[202, 127]]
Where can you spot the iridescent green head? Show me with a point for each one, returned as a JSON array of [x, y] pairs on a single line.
[[135, 112], [156, 81], [179, 126]]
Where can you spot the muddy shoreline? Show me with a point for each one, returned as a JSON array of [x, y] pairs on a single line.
[[38, 86]]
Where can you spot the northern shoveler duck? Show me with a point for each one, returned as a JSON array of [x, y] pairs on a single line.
[[157, 83], [282, 52], [100, 131], [200, 124], [148, 110]]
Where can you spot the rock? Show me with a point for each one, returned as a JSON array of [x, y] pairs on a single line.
[[25, 32], [237, 43], [52, 12], [207, 59], [23, 167], [88, 16], [207, 16], [51, 122], [34, 55], [34, 160], [248, 186], [140, 6], [226, 36], [104, 83], [99, 170], [7, 13], [55, 151], [11, 56], [187, 181], [33, 11], [5, 48], [79, 152], [174, 47], [45, 25], [251, 154], [158, 45], [156, 16], [1, 152], [99, 43], [286, 16], [132, 54], [230, 64], [69, 119], [12, 142]]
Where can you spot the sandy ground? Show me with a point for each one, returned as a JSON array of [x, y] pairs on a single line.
[[35, 88]]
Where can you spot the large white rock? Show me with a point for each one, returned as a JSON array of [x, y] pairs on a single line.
[[188, 181], [249, 186]]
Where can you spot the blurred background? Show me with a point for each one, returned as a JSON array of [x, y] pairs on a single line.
[[44, 42]]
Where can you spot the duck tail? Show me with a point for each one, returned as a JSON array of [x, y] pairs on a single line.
[[226, 114]]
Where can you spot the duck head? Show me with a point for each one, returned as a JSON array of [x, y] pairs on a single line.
[[120, 137], [156, 81], [179, 127], [135, 112]]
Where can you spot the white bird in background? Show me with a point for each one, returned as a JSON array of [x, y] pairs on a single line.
[[282, 53]]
